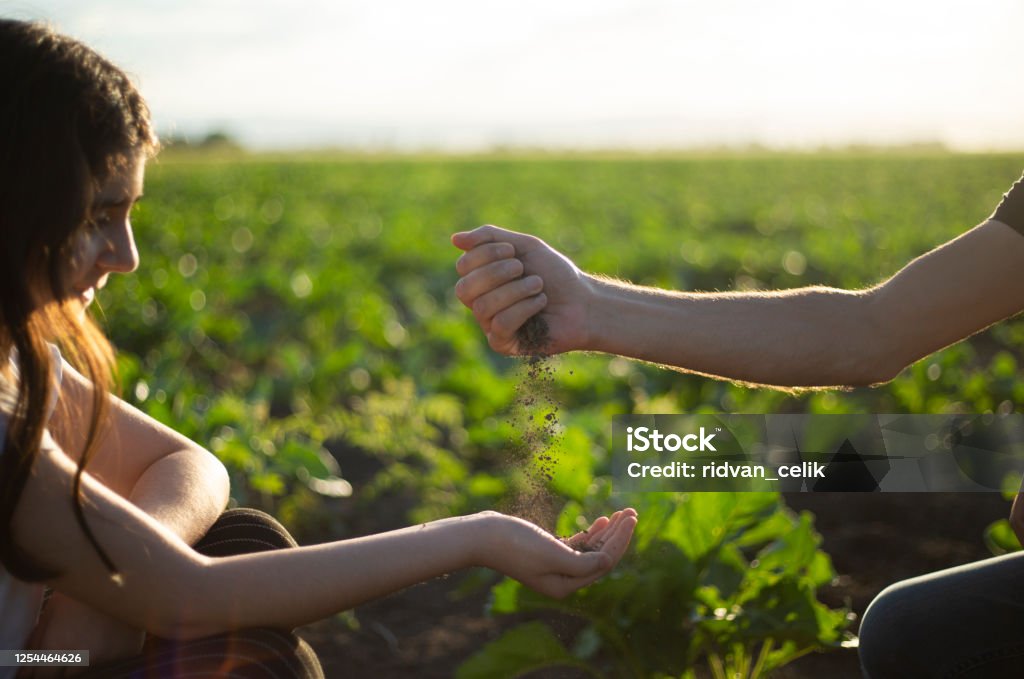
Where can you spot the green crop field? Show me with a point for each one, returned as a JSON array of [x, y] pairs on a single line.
[[292, 313]]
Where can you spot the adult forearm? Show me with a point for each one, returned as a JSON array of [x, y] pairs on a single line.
[[185, 491], [795, 338]]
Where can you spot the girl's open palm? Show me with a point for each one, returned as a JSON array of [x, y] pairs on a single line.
[[551, 566]]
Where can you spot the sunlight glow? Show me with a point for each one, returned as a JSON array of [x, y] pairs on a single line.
[[457, 74]]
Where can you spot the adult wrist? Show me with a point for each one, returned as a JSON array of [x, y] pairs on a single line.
[[600, 313], [1011, 210], [618, 317]]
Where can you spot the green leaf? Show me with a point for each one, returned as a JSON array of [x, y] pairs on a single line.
[[1000, 538], [588, 642], [486, 485], [794, 552], [268, 482], [786, 610], [521, 650], [505, 597]]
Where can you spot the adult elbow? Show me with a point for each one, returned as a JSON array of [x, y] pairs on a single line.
[[880, 364], [862, 370], [883, 354], [878, 371]]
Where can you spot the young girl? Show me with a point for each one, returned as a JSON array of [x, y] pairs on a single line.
[[102, 503]]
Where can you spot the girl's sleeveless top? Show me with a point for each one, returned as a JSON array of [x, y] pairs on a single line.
[[19, 601]]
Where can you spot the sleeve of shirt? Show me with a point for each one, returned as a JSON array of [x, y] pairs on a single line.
[[1011, 209]]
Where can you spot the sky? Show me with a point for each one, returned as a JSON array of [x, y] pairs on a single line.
[[467, 74]]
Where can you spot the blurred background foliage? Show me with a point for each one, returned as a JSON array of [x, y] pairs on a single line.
[[295, 314]]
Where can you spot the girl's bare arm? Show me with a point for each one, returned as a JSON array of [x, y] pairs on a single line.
[[168, 589]]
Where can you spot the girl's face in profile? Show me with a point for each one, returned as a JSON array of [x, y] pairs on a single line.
[[106, 245]]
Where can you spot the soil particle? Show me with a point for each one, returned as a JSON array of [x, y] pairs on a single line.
[[534, 336], [581, 545], [534, 416]]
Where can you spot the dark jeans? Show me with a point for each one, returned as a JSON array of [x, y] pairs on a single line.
[[243, 654], [966, 621]]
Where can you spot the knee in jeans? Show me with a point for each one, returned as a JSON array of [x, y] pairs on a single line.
[[891, 631]]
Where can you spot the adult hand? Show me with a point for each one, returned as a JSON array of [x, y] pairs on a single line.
[[551, 566], [507, 277], [67, 624]]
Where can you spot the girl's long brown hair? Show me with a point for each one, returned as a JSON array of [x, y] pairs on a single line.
[[68, 118]]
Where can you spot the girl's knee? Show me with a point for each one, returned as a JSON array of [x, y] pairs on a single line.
[[243, 531]]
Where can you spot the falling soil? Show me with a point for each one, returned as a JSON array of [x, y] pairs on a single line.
[[534, 416], [534, 337]]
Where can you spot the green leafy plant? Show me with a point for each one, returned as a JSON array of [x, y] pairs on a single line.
[[726, 579]]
